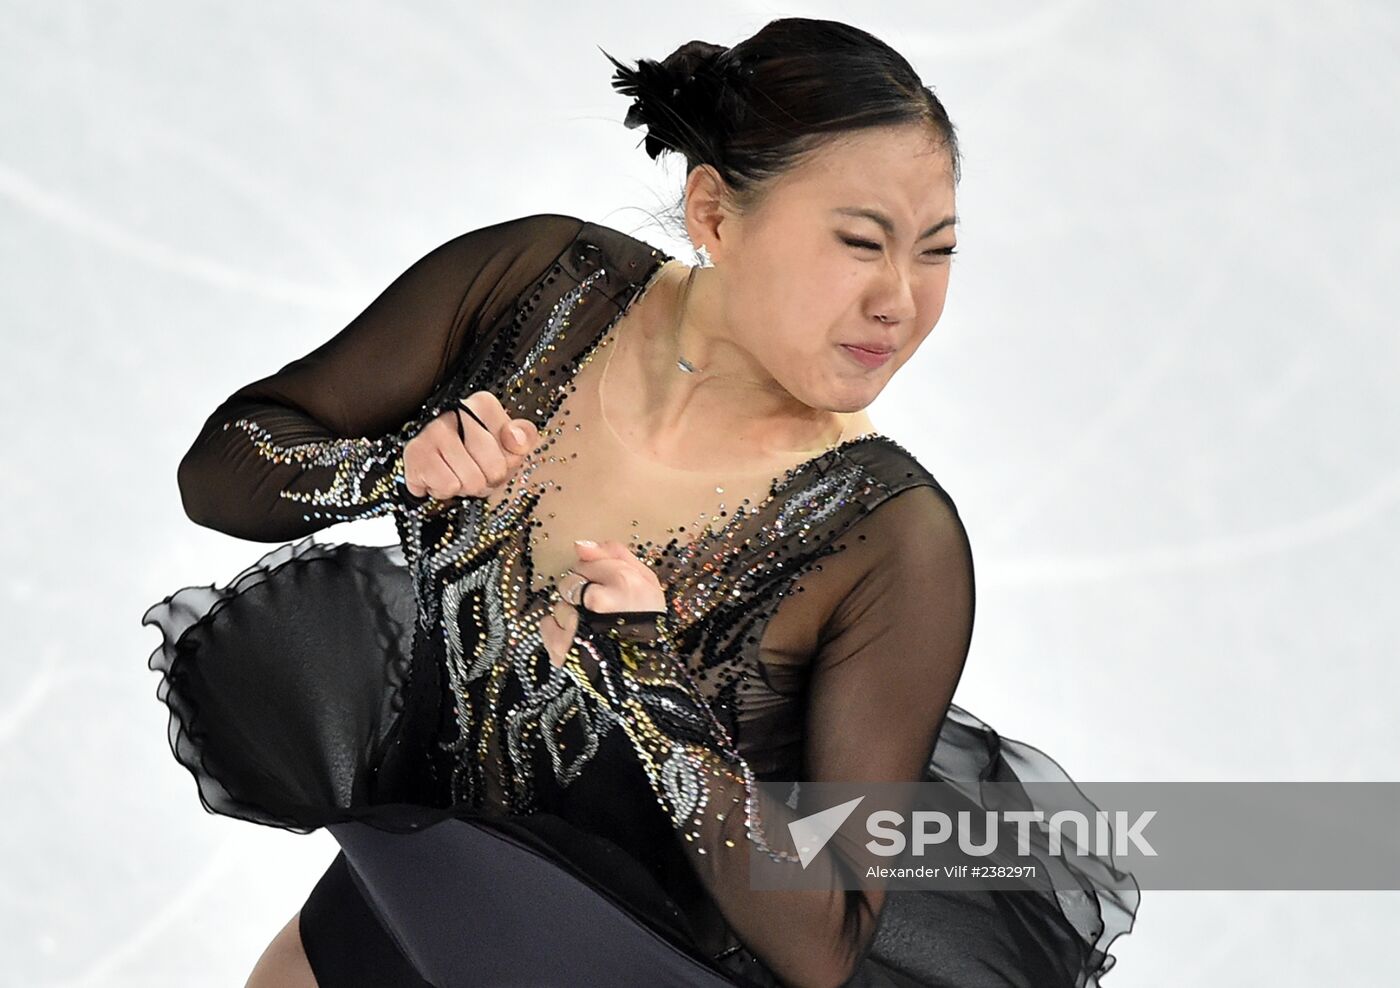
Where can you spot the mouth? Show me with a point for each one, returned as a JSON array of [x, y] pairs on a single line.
[[868, 356]]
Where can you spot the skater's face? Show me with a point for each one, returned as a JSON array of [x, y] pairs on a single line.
[[830, 284]]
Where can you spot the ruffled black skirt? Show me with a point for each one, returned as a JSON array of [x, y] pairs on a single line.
[[287, 689]]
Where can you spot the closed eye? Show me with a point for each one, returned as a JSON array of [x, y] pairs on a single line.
[[871, 245]]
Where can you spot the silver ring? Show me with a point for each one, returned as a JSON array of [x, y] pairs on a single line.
[[577, 598]]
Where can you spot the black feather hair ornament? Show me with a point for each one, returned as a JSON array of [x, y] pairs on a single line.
[[679, 99]]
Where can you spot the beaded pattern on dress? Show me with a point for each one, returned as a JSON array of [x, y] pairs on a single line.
[[643, 685], [365, 470]]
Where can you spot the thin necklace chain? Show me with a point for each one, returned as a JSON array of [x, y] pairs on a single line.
[[611, 340], [649, 549], [517, 486]]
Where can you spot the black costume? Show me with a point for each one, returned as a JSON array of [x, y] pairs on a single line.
[[817, 634]]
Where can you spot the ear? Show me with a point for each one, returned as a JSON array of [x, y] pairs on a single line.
[[706, 219]]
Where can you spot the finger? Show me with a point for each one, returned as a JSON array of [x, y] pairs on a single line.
[[468, 473], [616, 550], [607, 580], [609, 549], [438, 479], [480, 442], [557, 629], [514, 435], [588, 549], [555, 645], [624, 581], [615, 572], [569, 618], [579, 589], [604, 570], [519, 437], [466, 410]]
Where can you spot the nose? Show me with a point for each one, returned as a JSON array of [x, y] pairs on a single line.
[[894, 303]]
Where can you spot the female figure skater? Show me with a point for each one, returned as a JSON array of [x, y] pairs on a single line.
[[652, 551]]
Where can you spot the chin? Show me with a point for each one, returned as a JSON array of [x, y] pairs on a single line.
[[848, 399], [840, 393]]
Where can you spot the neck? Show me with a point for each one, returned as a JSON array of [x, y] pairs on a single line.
[[729, 395]]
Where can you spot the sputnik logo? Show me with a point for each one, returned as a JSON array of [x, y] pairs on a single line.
[[810, 833]]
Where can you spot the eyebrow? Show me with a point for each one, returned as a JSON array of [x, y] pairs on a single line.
[[887, 224]]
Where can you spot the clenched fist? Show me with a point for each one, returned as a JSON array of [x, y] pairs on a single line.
[[457, 456]]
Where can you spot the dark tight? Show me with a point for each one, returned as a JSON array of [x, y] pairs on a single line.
[[344, 941], [467, 906]]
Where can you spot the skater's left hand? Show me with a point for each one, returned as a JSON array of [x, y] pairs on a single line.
[[616, 581]]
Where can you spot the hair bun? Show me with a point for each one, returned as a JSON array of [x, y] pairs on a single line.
[[673, 98], [693, 57]]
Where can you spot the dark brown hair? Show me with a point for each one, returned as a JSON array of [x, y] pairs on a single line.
[[755, 110]]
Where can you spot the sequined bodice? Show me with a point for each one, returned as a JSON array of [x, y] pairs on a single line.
[[504, 554]]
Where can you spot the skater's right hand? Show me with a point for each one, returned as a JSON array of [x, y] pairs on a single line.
[[454, 456]]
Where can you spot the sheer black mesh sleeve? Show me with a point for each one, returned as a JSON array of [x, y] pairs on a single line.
[[890, 657], [320, 441]]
